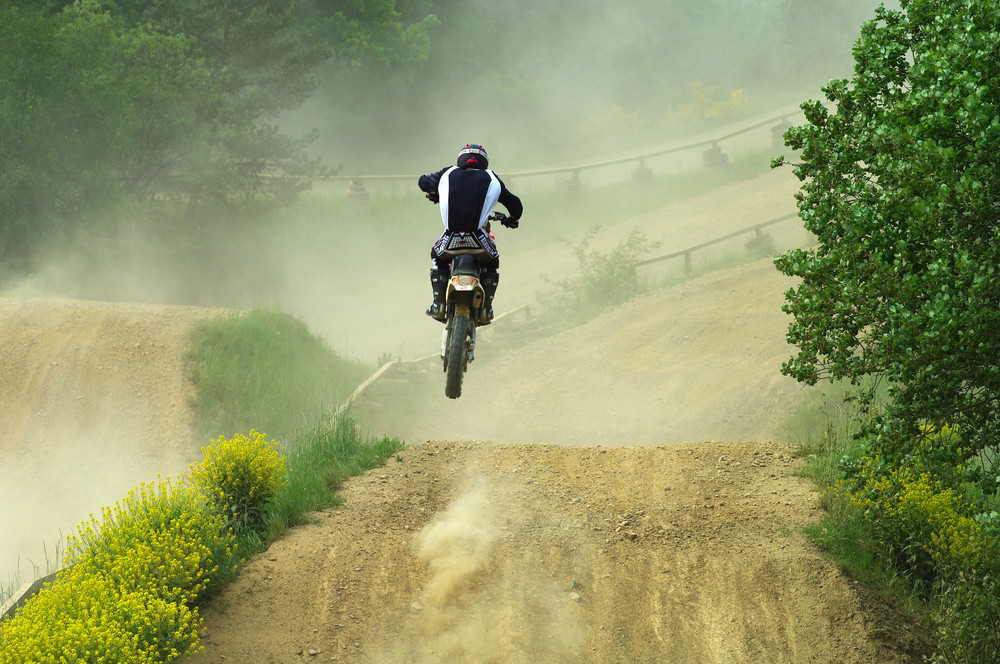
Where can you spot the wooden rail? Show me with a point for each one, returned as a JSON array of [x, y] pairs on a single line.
[[640, 158], [395, 368], [686, 253]]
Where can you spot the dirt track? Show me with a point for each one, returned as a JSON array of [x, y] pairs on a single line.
[[573, 524], [477, 552], [695, 363], [94, 398]]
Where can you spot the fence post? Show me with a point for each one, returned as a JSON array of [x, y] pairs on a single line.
[[714, 157], [571, 185], [778, 133], [642, 173], [357, 192]]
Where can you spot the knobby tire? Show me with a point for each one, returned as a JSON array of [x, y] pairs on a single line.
[[456, 356]]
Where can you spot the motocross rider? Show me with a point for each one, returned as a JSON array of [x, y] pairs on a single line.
[[468, 193]]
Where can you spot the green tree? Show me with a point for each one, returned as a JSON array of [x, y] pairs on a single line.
[[91, 114], [258, 68], [266, 57], [901, 188], [171, 105]]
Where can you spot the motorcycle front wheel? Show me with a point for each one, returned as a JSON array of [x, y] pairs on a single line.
[[456, 356]]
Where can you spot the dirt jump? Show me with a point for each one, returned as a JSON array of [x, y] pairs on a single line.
[[573, 506], [94, 399]]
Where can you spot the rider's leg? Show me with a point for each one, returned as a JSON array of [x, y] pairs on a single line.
[[490, 279], [439, 285]]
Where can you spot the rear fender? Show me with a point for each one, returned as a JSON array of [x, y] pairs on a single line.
[[465, 293]]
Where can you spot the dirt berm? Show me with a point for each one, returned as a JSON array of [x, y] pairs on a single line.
[[476, 552]]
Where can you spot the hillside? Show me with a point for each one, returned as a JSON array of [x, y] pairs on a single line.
[[571, 506]]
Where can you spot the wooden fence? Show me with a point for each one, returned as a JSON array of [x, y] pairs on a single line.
[[712, 144]]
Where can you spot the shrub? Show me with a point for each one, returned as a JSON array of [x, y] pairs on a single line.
[[87, 617], [606, 280], [128, 592], [924, 527], [968, 617], [932, 522], [241, 477], [165, 540]]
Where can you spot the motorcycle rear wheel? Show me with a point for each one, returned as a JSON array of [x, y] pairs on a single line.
[[456, 356]]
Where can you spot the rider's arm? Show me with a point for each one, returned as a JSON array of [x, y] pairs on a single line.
[[511, 202], [429, 183]]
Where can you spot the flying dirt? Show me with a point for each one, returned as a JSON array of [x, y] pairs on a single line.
[[477, 552]]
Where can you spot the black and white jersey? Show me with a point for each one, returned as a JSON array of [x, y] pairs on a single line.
[[468, 195]]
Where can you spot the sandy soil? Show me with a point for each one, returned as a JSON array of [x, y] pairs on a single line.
[[565, 509], [94, 399], [694, 363], [581, 536]]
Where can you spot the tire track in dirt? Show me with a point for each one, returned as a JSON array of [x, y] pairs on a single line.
[[579, 545], [565, 529]]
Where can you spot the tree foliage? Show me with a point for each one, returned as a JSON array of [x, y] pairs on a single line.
[[90, 112], [901, 188], [172, 104]]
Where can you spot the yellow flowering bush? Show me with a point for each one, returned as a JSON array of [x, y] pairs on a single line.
[[162, 539], [241, 476], [128, 590], [134, 576], [84, 617], [931, 510], [926, 526]]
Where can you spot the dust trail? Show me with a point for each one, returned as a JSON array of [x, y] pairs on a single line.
[[455, 547], [474, 611]]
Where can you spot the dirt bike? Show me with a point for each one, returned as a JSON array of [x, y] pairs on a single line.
[[464, 302]]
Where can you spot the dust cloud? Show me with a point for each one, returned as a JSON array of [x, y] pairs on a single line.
[[54, 485], [547, 84], [539, 85], [481, 602]]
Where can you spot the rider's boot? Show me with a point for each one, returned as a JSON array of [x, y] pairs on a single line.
[[490, 279], [439, 284]]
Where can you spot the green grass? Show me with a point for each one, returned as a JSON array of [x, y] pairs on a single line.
[[824, 426], [263, 369], [319, 460]]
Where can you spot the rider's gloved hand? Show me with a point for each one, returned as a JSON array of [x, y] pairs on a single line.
[[509, 223], [433, 197]]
